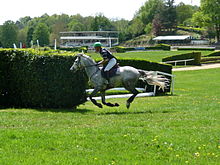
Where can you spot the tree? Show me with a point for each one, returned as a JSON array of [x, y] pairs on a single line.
[[157, 25], [185, 12], [148, 11], [101, 23], [169, 16], [121, 26], [210, 8], [136, 28], [9, 32], [29, 38], [41, 33]]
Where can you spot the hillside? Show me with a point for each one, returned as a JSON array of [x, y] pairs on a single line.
[[147, 39]]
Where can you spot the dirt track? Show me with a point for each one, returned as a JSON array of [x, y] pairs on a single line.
[[205, 66]]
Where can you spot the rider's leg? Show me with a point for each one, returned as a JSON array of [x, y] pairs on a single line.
[[109, 66]]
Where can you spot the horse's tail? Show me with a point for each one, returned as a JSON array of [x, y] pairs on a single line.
[[153, 79]]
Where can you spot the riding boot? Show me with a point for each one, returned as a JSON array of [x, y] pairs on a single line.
[[107, 77]]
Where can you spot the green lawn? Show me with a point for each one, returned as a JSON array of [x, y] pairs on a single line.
[[166, 130], [155, 56]]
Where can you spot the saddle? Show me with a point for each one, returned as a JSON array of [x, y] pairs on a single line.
[[111, 73]]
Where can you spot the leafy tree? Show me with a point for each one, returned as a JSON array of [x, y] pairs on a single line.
[[121, 26], [185, 12], [9, 34], [29, 38], [210, 8], [41, 33], [136, 28], [22, 36], [148, 11], [169, 15], [157, 25], [101, 23]]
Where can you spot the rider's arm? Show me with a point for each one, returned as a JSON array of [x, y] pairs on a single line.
[[103, 61]]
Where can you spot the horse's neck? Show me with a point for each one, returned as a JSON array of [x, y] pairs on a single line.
[[90, 67]]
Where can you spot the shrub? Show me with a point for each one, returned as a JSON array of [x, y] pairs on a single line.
[[163, 46], [216, 53], [197, 49], [32, 80], [194, 55], [121, 49], [76, 49]]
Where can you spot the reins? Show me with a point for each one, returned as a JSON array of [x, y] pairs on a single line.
[[94, 72]]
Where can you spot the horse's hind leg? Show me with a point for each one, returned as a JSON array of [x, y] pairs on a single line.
[[131, 88], [108, 104]]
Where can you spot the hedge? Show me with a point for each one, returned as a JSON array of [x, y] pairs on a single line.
[[121, 49], [194, 55], [75, 49], [191, 29], [31, 80], [216, 53], [197, 49]]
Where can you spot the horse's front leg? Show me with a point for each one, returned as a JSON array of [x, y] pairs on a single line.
[[108, 104], [94, 92]]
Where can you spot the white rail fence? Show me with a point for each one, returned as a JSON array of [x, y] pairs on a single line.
[[176, 61], [144, 94]]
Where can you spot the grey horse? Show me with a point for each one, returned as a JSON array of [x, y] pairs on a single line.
[[126, 76]]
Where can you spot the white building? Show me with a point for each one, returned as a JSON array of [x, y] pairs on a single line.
[[88, 38], [179, 39]]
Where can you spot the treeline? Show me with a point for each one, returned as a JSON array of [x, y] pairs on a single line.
[[155, 17]]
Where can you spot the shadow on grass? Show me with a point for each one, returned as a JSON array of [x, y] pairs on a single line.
[[133, 112], [61, 110], [73, 110]]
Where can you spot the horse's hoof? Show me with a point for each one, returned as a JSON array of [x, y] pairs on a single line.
[[128, 105], [116, 104]]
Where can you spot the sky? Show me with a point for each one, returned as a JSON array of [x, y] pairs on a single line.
[[15, 9]]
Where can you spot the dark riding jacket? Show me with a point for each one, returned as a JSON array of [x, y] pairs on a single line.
[[106, 54]]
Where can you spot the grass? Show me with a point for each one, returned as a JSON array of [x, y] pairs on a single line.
[[155, 56], [179, 129]]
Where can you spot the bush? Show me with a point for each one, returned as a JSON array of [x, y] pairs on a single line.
[[163, 46], [32, 80], [216, 53], [120, 49], [194, 55], [197, 49], [76, 49]]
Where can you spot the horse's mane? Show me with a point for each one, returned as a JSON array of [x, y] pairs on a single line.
[[87, 57]]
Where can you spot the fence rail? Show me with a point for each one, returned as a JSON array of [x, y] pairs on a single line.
[[176, 61]]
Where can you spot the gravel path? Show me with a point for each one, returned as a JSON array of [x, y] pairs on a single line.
[[204, 66]]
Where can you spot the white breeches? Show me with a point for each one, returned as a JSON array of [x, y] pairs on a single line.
[[111, 63]]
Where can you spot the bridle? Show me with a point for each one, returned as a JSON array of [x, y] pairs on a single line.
[[80, 67]]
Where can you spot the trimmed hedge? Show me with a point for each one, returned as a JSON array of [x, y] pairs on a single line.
[[31, 80], [121, 49], [194, 55], [216, 53], [76, 49], [197, 49], [191, 29]]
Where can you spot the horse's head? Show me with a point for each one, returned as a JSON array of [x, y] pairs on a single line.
[[77, 65]]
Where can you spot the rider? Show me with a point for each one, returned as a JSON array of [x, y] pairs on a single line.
[[109, 61]]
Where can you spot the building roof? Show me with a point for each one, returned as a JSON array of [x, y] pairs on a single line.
[[75, 32], [182, 37], [86, 38]]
